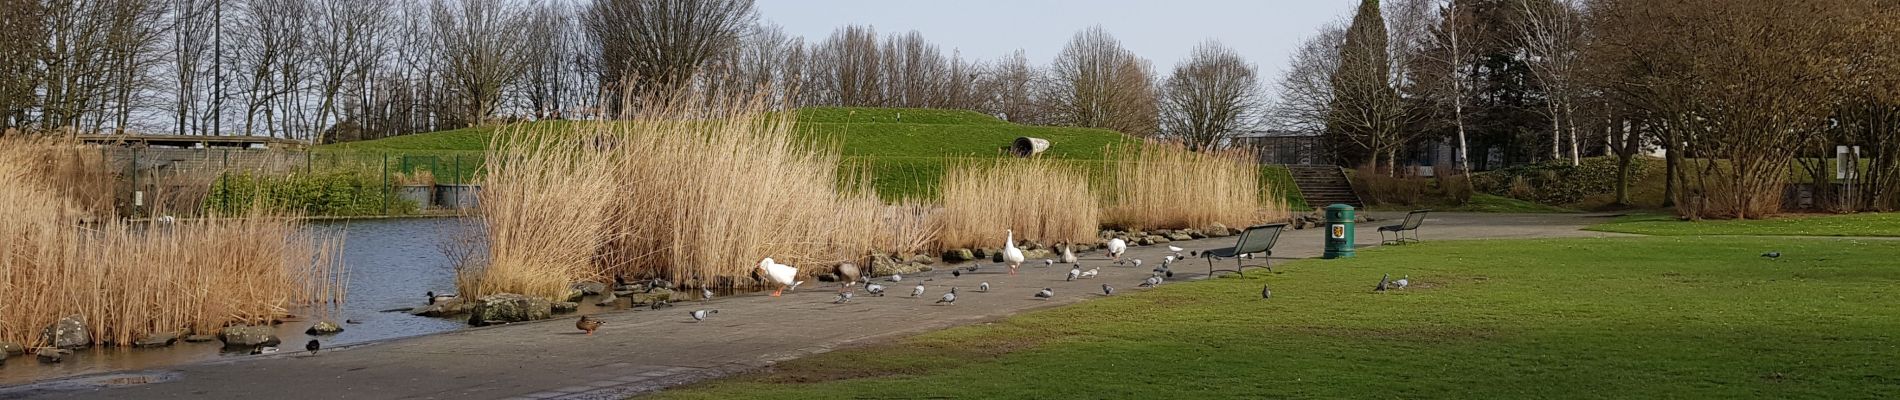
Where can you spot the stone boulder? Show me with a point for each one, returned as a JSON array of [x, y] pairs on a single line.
[[564, 306], [12, 348], [923, 259], [1195, 233], [983, 252], [959, 255], [575, 295], [1177, 236], [51, 355], [607, 299], [324, 328], [1037, 255], [160, 339], [661, 294], [199, 338], [248, 336], [441, 308], [1217, 230], [509, 307], [591, 288], [67, 333]]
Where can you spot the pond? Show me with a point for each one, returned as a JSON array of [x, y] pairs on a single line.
[[391, 264]]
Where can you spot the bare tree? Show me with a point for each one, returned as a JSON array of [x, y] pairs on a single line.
[[658, 45], [341, 38], [1210, 97], [1097, 83], [267, 35], [1008, 89], [20, 53], [844, 69], [1305, 98], [913, 71], [1454, 59], [480, 45], [1551, 32]]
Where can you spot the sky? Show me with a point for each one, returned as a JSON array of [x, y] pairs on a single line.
[[1266, 32]]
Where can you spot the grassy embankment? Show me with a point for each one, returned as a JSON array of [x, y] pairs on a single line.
[[1670, 317]]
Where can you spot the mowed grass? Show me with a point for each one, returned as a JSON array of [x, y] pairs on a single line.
[[1641, 317], [1865, 224]]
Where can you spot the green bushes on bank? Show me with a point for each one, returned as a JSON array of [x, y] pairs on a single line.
[[344, 193], [1557, 183]]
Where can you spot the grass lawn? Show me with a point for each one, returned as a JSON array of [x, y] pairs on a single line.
[[1643, 317], [1865, 224]]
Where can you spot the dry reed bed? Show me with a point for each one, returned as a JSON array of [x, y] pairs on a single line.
[[130, 280], [1041, 200], [1167, 186], [678, 193]]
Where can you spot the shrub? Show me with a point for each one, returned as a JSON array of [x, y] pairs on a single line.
[[1381, 190], [1557, 183], [345, 193]]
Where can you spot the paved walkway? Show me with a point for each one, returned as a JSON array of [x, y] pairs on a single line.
[[642, 351]]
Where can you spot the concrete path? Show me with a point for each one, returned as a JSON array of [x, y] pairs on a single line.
[[641, 351]]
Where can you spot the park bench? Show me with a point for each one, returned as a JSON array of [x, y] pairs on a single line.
[[1412, 221], [1258, 239]]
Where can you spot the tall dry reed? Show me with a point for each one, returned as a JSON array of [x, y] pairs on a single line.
[[129, 280], [684, 190], [1041, 200], [1167, 186]]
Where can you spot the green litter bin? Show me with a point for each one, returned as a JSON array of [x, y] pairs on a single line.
[[1339, 220]]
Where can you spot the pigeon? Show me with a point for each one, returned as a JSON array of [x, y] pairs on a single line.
[[843, 297], [1091, 272], [1772, 255], [1073, 272], [897, 278], [1048, 262], [705, 294], [918, 291], [313, 346], [1137, 263], [1402, 282], [1108, 290], [1046, 293], [874, 289], [1152, 281], [949, 298], [659, 304], [956, 273], [1382, 283], [1266, 291], [1169, 260], [700, 315], [972, 267], [984, 287]]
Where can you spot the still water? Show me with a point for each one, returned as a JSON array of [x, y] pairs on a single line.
[[391, 264]]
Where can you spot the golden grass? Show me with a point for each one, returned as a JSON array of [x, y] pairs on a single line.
[[1167, 186], [1041, 200], [129, 280], [679, 192]]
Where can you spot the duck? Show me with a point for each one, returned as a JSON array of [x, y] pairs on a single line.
[[1068, 253], [313, 346], [588, 323], [783, 275], [1116, 247], [264, 350], [1012, 255], [433, 298]]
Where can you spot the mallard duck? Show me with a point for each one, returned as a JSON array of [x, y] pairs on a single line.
[[784, 275], [1012, 255], [264, 350], [433, 298], [588, 323]]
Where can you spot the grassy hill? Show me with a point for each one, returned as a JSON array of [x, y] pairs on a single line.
[[905, 150]]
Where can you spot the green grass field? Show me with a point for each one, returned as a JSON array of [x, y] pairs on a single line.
[[1645, 317], [905, 150], [1866, 224]]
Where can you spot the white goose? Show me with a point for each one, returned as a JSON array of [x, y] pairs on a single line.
[[1068, 253], [1116, 247], [1012, 255], [784, 275]]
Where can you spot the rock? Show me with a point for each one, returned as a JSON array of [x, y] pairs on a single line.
[[1196, 234], [441, 308], [67, 333], [1029, 245], [1162, 232], [982, 253], [590, 288], [12, 348], [1037, 254], [564, 306], [650, 297], [1137, 234], [509, 307], [1217, 230], [248, 336], [575, 295], [922, 259], [622, 293], [882, 264], [1146, 241], [200, 338], [324, 328], [607, 300], [51, 355], [160, 339], [996, 257], [958, 255], [1177, 236]]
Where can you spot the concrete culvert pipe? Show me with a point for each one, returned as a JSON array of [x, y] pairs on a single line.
[[1028, 146]]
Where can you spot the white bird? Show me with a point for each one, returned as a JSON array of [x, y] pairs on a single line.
[[1046, 293], [166, 219], [1012, 255], [1406, 280], [949, 298], [1068, 253], [1174, 248], [705, 294], [782, 274], [264, 350], [1073, 272], [1166, 261], [897, 278], [1091, 272], [985, 287], [918, 291], [1116, 247], [700, 315], [874, 289], [1137, 263]]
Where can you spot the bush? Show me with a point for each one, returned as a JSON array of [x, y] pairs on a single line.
[[1381, 190], [346, 193], [1557, 183]]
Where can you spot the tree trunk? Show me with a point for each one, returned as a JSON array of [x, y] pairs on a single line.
[[1672, 160], [1576, 156]]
